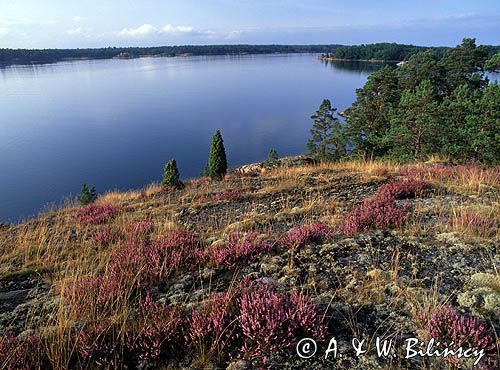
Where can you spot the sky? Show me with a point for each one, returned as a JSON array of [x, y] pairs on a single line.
[[102, 23]]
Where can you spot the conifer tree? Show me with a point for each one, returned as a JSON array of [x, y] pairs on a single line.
[[328, 138], [171, 176], [217, 161]]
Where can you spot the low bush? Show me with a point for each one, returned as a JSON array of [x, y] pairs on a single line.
[[450, 329], [96, 214], [270, 321], [375, 212], [236, 248], [300, 236]]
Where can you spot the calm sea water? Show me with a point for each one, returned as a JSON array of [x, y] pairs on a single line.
[[114, 123]]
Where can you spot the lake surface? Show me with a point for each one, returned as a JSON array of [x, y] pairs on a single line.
[[114, 123]]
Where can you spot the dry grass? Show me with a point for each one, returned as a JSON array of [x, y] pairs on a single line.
[[56, 244]]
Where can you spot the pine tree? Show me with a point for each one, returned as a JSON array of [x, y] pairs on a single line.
[[171, 176], [88, 195], [217, 161], [328, 137]]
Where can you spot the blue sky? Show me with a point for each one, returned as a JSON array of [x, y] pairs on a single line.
[[99, 23]]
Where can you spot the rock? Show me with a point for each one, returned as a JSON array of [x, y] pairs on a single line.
[[254, 169], [238, 365]]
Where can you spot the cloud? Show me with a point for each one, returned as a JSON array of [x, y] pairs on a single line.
[[148, 30], [233, 35], [141, 31], [78, 18], [79, 31], [4, 31]]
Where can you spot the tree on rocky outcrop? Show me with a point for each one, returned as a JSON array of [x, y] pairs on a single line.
[[217, 161]]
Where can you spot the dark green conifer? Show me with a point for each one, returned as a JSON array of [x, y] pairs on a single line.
[[217, 161]]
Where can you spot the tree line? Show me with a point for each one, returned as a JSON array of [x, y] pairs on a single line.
[[430, 105], [389, 51], [29, 56]]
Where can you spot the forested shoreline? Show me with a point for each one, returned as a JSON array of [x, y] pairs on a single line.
[[368, 52], [40, 56], [390, 52], [430, 105]]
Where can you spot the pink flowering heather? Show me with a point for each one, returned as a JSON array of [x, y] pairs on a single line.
[[179, 250], [475, 223], [446, 326], [403, 189], [271, 321], [103, 291], [210, 326], [99, 346], [95, 214], [443, 173], [375, 212], [106, 236], [236, 248], [156, 334], [138, 230], [22, 353], [230, 195], [300, 236]]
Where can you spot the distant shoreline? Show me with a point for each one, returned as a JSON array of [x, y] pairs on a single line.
[[330, 59]]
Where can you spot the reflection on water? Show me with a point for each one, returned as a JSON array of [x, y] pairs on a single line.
[[114, 123]]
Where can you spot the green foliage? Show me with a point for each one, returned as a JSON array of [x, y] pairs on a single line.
[[171, 176], [88, 195], [493, 64], [217, 161], [272, 159], [380, 51], [430, 106], [328, 135], [25, 56], [368, 117], [415, 129]]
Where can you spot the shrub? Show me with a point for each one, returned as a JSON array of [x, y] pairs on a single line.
[[94, 214], [171, 176], [236, 248], [217, 161], [270, 321], [138, 230], [300, 236], [103, 291], [88, 195], [404, 189], [377, 211], [106, 236], [99, 346], [25, 353], [210, 327], [229, 194], [446, 326], [474, 223], [272, 159], [156, 334]]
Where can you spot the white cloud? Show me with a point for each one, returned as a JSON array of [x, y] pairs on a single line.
[[141, 31], [79, 31], [147, 30], [233, 35], [78, 18], [3, 31]]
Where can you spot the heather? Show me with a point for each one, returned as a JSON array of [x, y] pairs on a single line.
[[451, 329], [157, 279]]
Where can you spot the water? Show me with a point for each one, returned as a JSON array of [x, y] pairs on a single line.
[[114, 123]]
